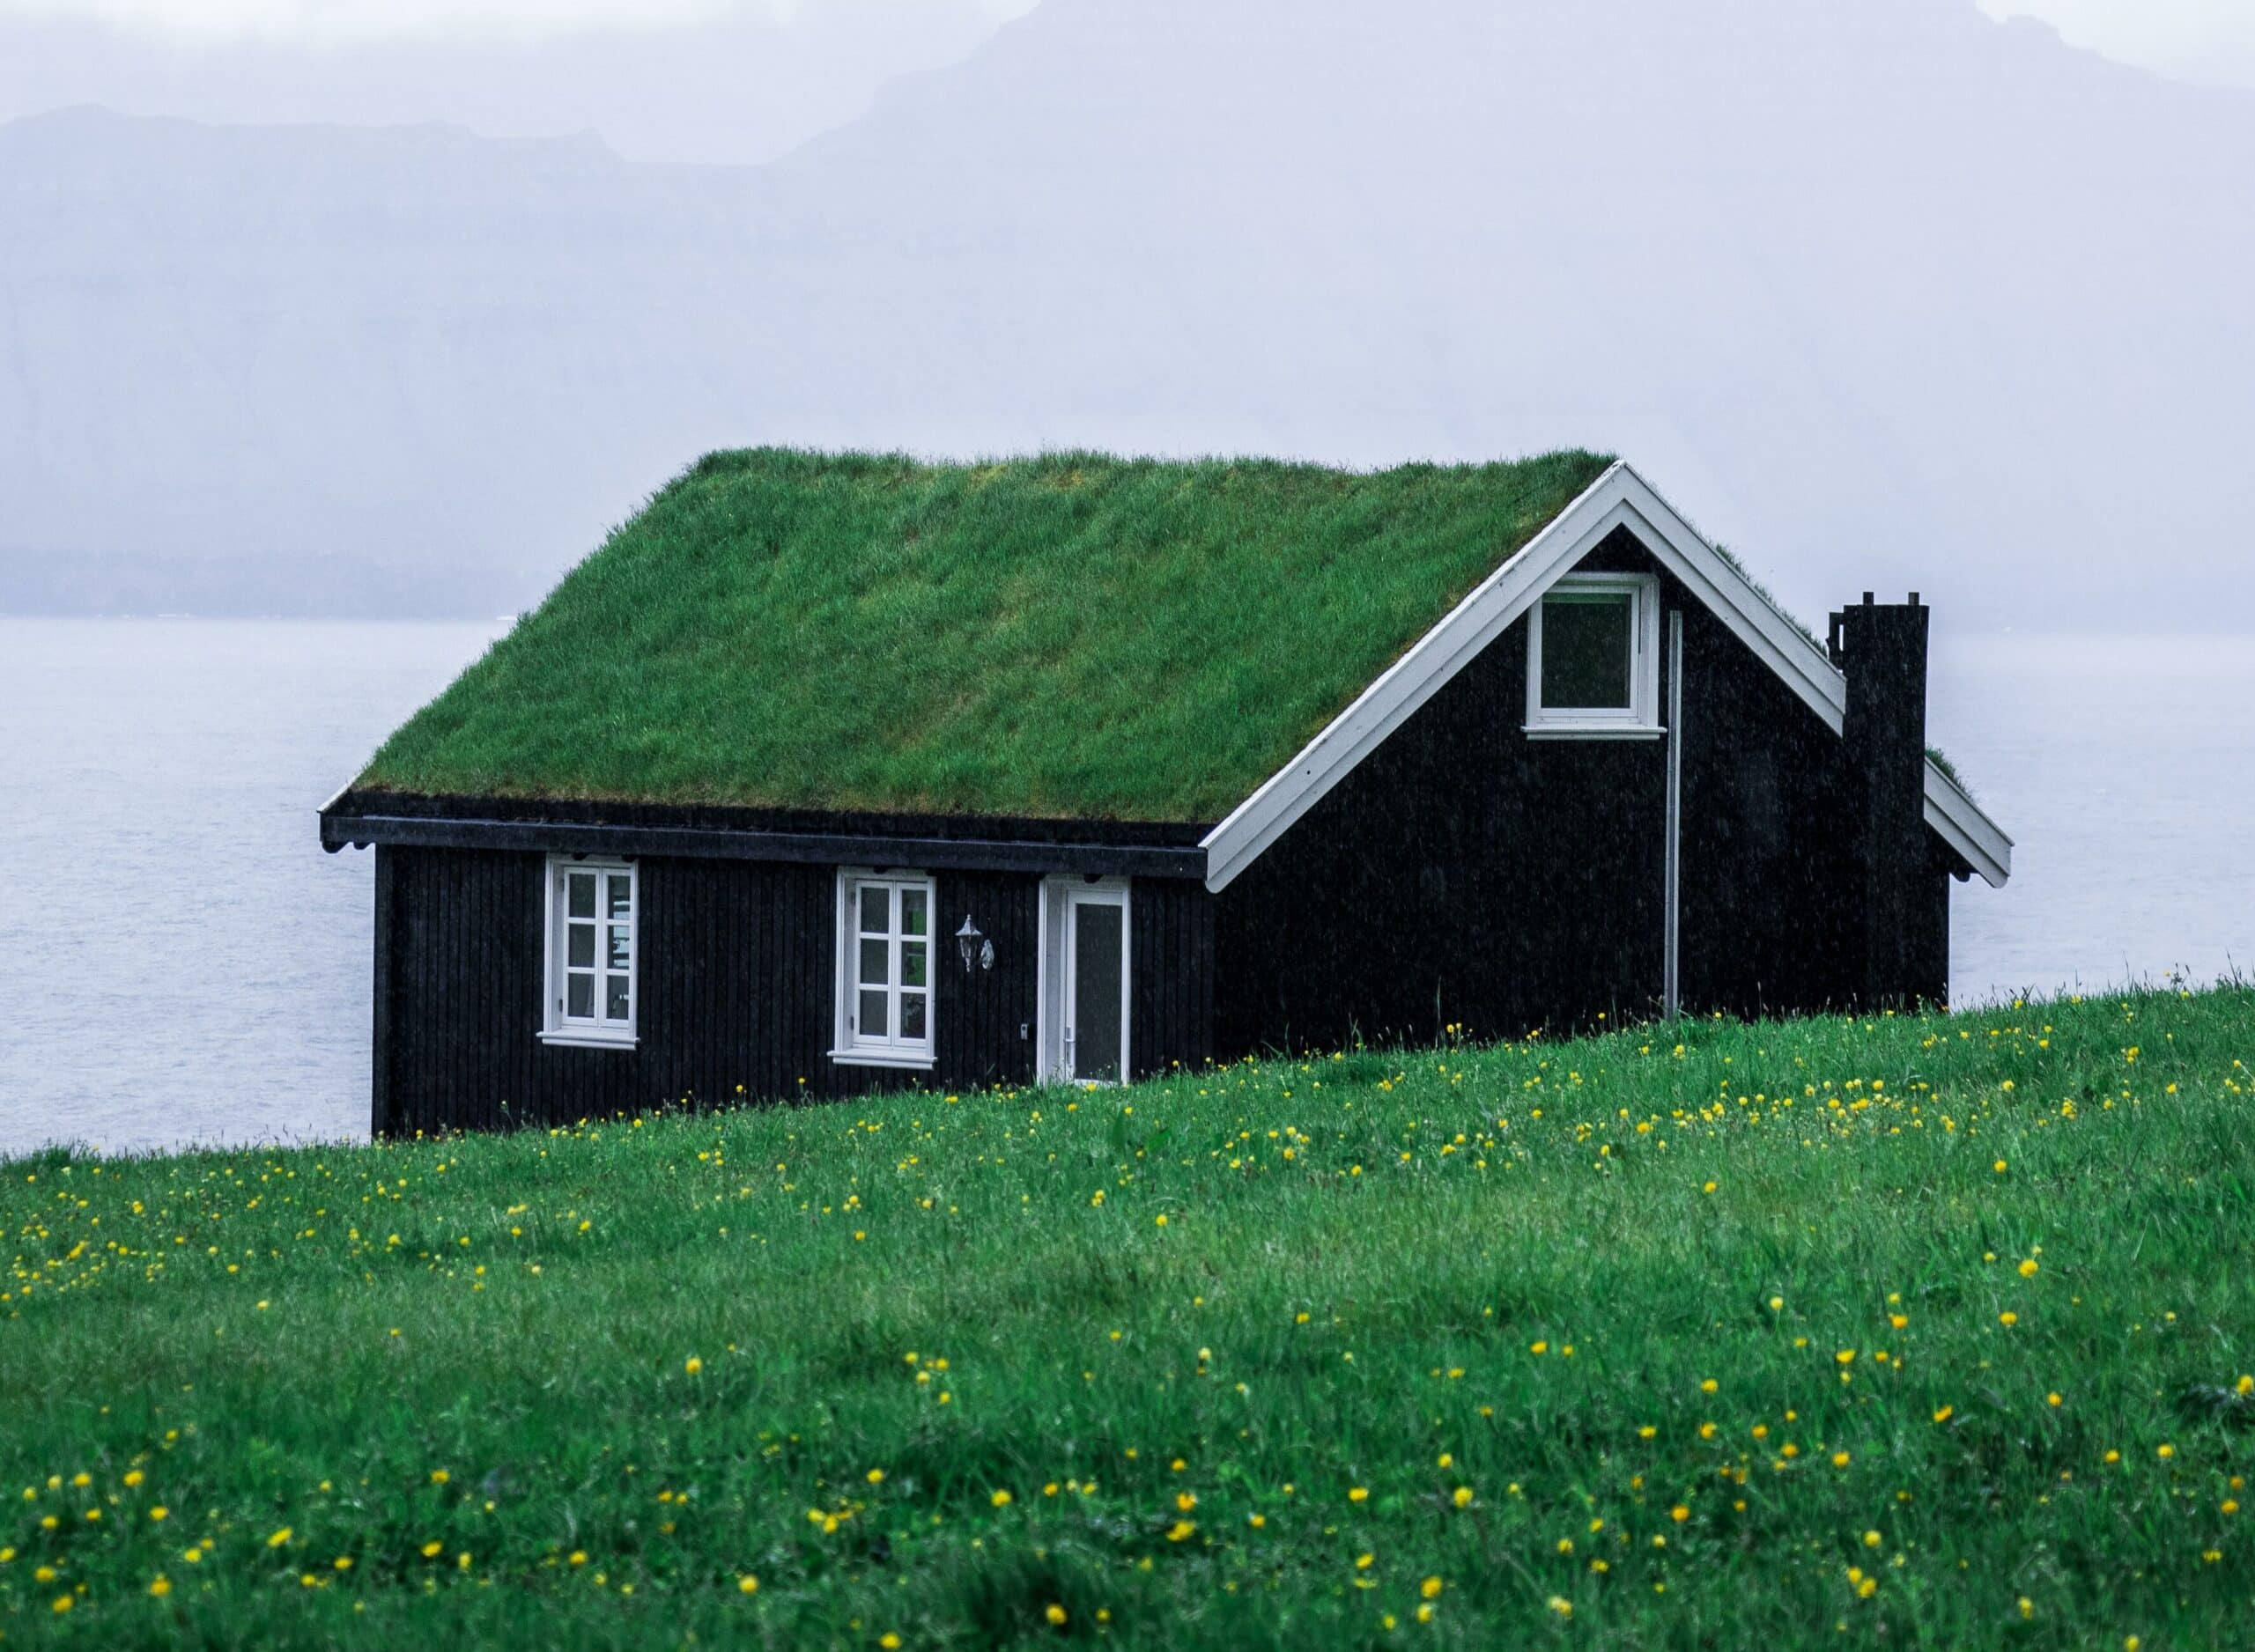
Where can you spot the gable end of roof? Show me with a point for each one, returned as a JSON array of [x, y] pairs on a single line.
[[1618, 498]]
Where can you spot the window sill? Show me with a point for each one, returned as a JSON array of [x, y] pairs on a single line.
[[883, 1058], [1593, 730], [573, 1038]]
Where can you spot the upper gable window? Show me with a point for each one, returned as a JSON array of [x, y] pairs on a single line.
[[1593, 658]]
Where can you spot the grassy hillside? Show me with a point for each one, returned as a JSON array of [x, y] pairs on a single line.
[[1901, 1332], [1063, 635]]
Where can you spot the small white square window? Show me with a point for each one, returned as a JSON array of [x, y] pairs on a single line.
[[593, 906], [1593, 658], [885, 969]]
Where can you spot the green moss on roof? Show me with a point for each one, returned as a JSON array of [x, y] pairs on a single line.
[[1072, 635]]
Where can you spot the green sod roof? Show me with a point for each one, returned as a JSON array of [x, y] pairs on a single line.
[[1065, 636]]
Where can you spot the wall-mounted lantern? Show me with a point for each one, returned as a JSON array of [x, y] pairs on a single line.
[[973, 947]]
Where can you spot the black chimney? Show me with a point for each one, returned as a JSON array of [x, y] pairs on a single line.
[[1882, 648]]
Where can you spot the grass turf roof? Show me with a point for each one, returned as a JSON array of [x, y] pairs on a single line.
[[1071, 635]]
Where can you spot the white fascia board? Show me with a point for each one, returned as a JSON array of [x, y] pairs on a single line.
[[1618, 498]]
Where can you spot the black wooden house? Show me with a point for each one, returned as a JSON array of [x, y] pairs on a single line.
[[830, 773]]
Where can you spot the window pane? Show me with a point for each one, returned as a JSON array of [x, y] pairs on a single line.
[[1097, 985], [873, 1020], [583, 894], [911, 963], [580, 997], [621, 945], [912, 911], [876, 910], [581, 952], [912, 1015], [615, 1007], [622, 894], [875, 965], [1585, 648]]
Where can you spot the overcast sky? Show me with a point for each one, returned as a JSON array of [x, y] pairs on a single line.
[[2192, 36], [679, 80]]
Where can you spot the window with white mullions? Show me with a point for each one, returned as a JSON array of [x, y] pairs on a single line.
[[1593, 658], [592, 910], [885, 954]]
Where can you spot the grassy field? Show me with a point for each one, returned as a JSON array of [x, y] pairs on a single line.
[[1932, 1332]]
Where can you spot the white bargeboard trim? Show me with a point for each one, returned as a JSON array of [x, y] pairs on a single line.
[[1619, 499]]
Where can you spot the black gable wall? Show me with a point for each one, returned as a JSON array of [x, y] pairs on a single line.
[[1465, 874]]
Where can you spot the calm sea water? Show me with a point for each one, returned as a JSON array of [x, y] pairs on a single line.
[[180, 962]]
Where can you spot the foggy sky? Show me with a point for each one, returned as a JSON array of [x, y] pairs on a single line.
[[672, 80]]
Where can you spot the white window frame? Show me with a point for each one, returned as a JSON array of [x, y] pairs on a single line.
[[1639, 720], [1050, 971], [599, 1030], [849, 1047]]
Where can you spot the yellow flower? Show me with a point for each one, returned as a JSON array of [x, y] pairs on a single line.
[[430, 1550], [1430, 1588], [1186, 1501], [579, 1557], [1560, 1604], [1839, 1459], [278, 1538], [1159, 1221], [134, 1477], [2008, 1317], [1180, 1531], [1462, 1497], [877, 1477], [439, 1476], [2165, 1451], [63, 1603], [1871, 1540], [1707, 1385], [2000, 1167], [692, 1365], [1001, 1500], [1357, 1493], [160, 1587], [1679, 1514], [889, 1641], [1055, 1614], [159, 1512], [747, 1584], [2028, 1269]]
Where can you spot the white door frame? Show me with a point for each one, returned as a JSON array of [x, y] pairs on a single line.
[[1053, 978]]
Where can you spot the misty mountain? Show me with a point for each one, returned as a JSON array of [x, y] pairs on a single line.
[[1885, 293]]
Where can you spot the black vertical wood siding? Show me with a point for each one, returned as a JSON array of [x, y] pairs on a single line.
[[736, 980], [1467, 875]]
